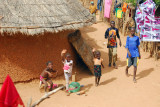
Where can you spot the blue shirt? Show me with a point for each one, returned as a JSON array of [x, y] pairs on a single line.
[[132, 44]]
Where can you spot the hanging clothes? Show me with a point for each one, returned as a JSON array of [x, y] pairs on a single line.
[[99, 4], [146, 20], [116, 6], [124, 7], [107, 8], [139, 2], [119, 13]]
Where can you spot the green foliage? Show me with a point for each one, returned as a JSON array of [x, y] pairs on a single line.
[[157, 2]]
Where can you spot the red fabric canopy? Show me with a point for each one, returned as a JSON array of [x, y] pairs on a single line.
[[9, 96]]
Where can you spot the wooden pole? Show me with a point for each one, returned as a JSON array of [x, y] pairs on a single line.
[[29, 102], [47, 95]]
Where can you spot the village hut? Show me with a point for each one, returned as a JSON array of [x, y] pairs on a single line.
[[33, 32]]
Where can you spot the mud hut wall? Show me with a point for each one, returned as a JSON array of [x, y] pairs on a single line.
[[24, 57]]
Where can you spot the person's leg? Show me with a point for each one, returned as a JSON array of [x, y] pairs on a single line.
[[127, 71], [115, 57], [45, 85], [67, 81], [134, 77], [135, 63], [129, 63], [51, 84], [96, 80], [99, 79], [110, 56]]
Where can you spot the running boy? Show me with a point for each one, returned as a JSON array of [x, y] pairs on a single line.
[[133, 52], [97, 66], [68, 65], [111, 35], [46, 76]]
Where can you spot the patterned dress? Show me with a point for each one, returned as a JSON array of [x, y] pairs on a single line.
[[97, 70]]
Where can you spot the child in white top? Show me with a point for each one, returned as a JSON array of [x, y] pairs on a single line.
[[68, 65]]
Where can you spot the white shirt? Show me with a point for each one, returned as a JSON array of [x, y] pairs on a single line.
[[68, 63]]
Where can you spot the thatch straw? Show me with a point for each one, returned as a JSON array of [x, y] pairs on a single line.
[[37, 16]]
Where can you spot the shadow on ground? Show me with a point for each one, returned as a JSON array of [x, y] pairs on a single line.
[[108, 81], [144, 73]]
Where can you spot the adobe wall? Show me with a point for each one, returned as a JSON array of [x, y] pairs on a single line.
[[24, 57]]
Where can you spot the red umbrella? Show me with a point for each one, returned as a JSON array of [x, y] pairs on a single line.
[[9, 96]]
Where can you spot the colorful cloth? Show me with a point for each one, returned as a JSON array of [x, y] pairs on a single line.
[[119, 13], [124, 7], [107, 8], [97, 70], [111, 34], [42, 78], [67, 67], [99, 4], [132, 44], [9, 96], [92, 9], [147, 22]]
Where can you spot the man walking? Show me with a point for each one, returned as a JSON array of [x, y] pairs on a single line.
[[111, 34]]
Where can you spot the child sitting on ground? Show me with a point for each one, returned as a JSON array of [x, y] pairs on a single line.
[[97, 65], [46, 76], [68, 64]]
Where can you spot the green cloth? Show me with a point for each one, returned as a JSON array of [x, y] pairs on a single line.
[[119, 13]]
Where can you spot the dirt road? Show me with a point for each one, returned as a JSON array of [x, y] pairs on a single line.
[[115, 89]]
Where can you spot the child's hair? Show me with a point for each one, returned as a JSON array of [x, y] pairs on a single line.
[[49, 62], [67, 54], [131, 28], [97, 53], [112, 22]]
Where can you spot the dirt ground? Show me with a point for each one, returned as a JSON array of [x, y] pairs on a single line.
[[115, 89]]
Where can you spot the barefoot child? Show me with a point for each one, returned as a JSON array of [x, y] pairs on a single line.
[[97, 66], [133, 52], [68, 64], [46, 76]]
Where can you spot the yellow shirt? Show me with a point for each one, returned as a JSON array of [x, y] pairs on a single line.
[[92, 9]]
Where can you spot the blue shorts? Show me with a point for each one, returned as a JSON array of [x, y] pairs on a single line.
[[132, 61]]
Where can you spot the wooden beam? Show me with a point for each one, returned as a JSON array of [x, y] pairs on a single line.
[[47, 95]]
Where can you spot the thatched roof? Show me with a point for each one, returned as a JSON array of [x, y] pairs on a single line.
[[37, 16]]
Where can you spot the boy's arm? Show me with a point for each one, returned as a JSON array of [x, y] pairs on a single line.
[[50, 75], [71, 63], [118, 36], [139, 52], [127, 44], [128, 52], [138, 44], [106, 33], [93, 50], [62, 54], [102, 63]]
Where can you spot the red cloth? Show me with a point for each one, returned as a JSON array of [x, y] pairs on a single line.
[[9, 96]]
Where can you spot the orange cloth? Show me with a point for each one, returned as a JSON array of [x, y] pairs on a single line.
[[92, 9], [125, 6]]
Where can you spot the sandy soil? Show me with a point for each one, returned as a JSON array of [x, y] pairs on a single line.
[[115, 89]]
